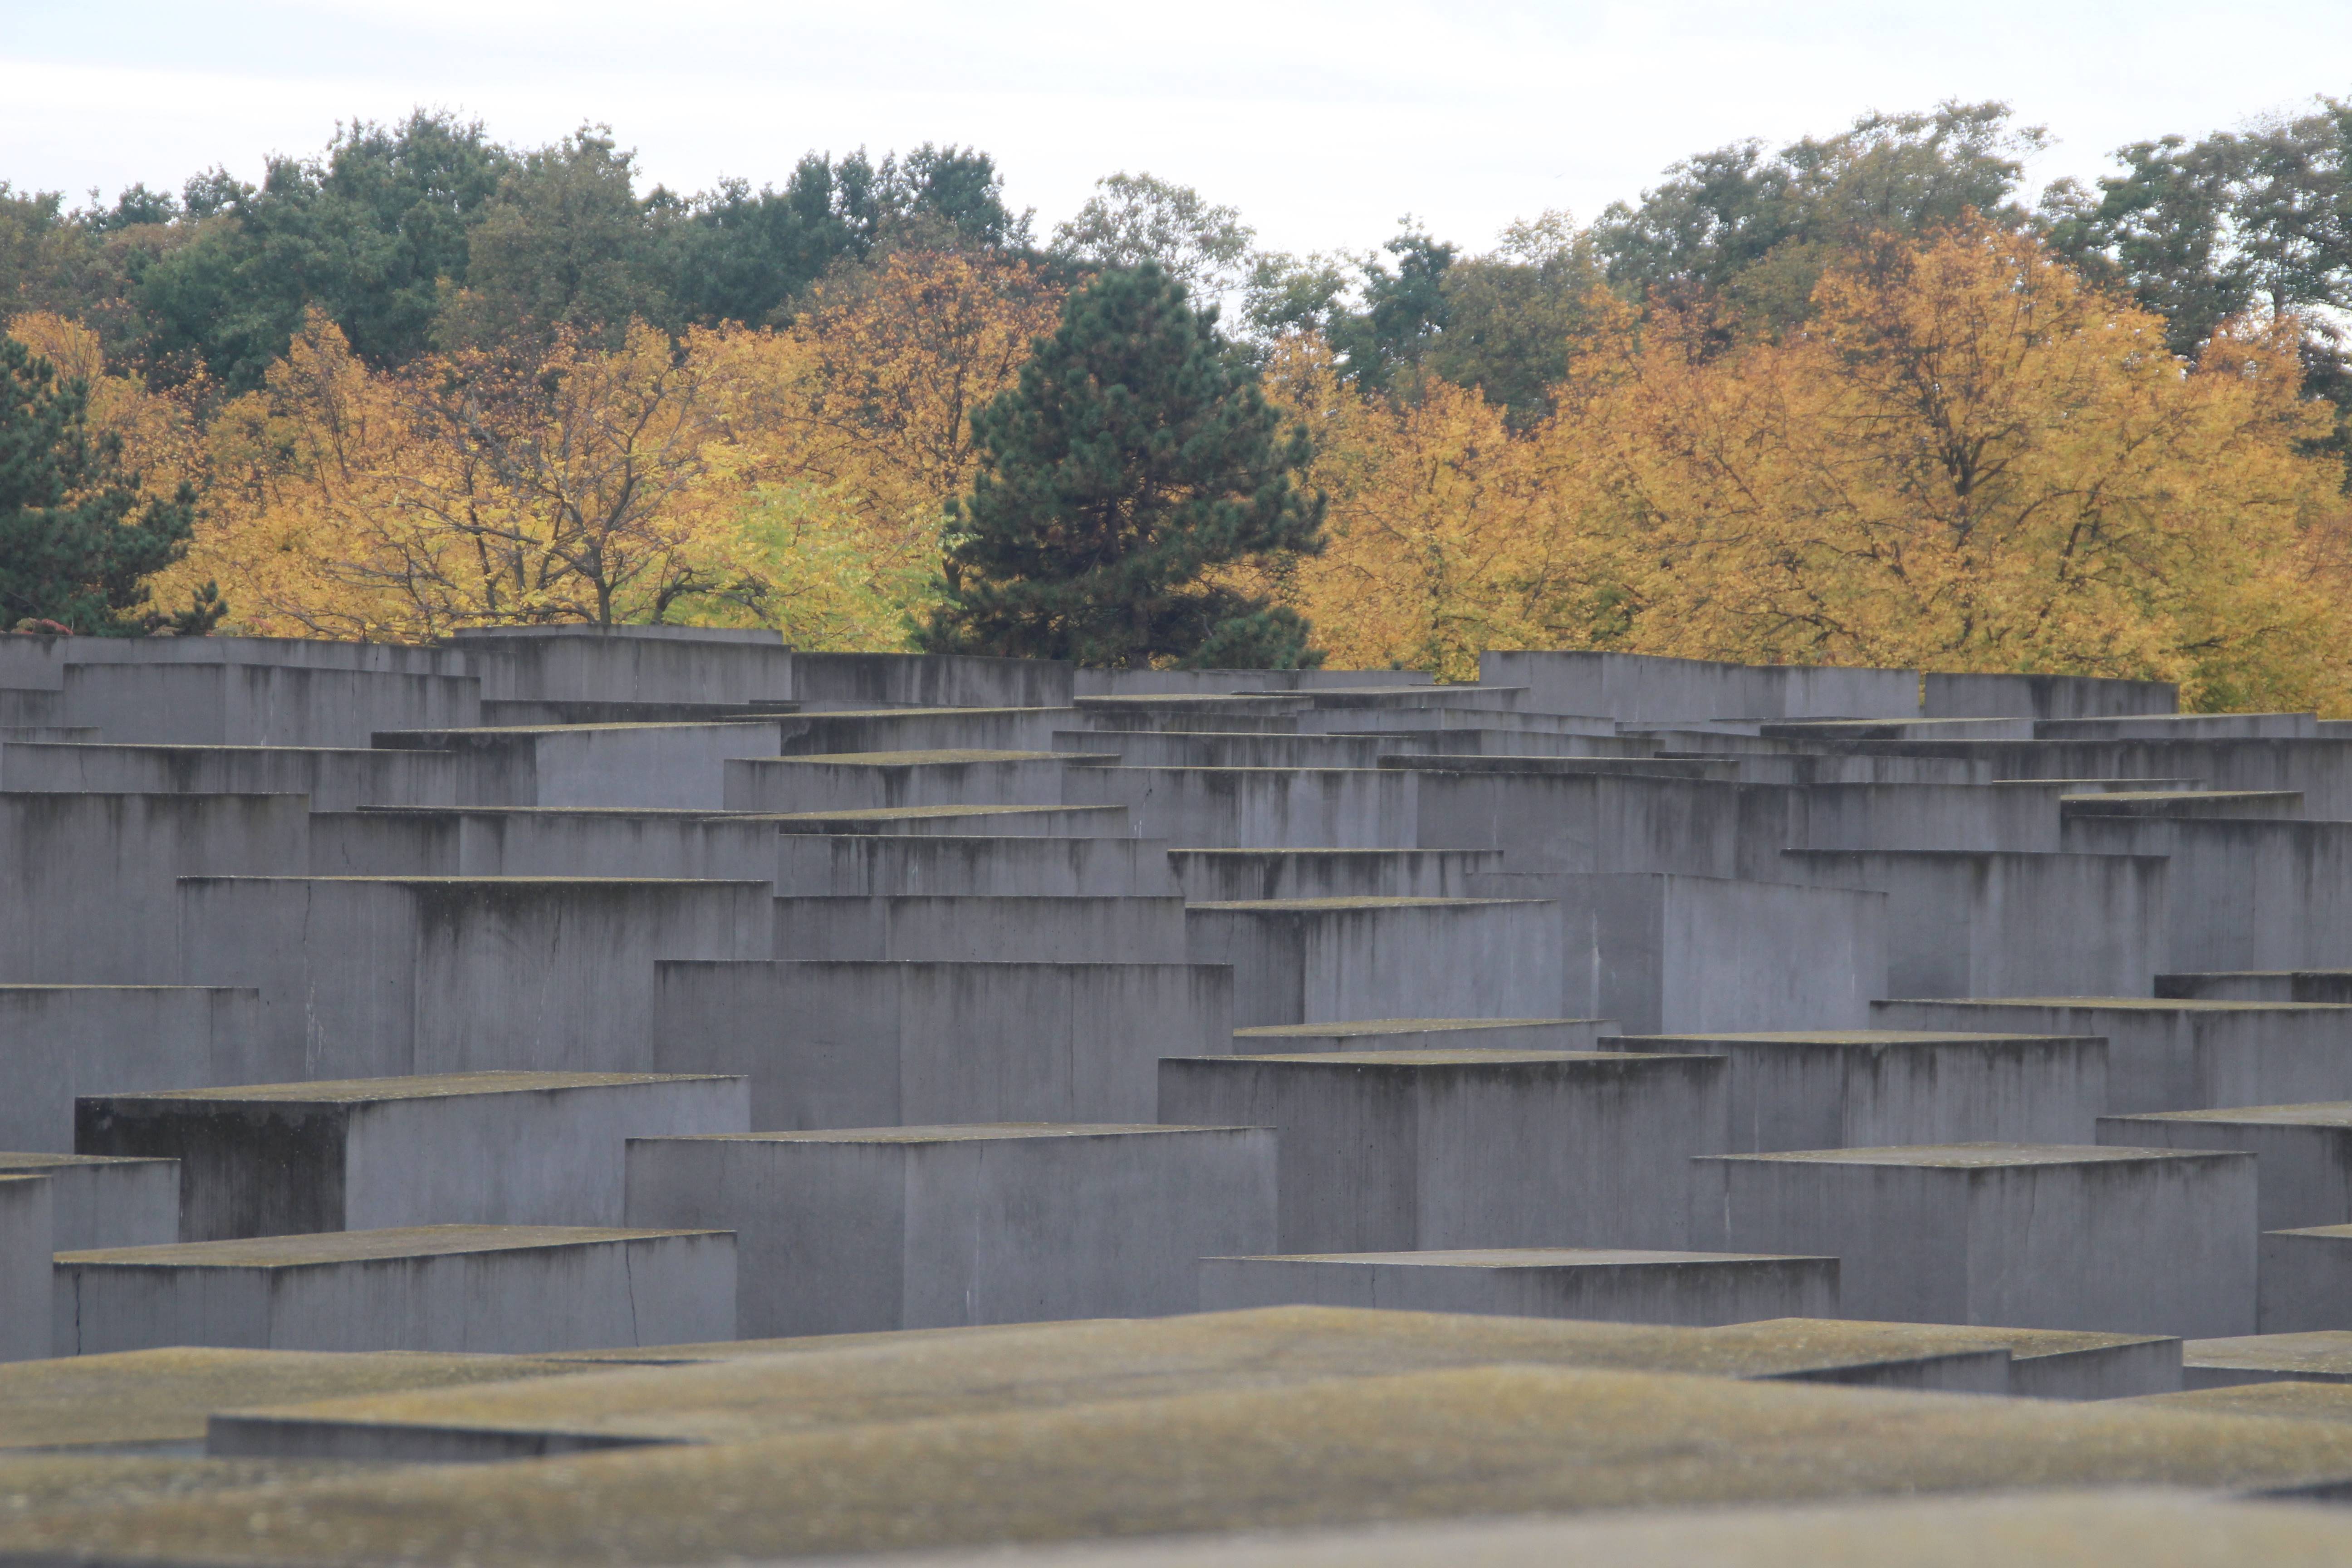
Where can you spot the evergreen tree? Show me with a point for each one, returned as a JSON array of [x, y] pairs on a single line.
[[74, 538], [1135, 454]]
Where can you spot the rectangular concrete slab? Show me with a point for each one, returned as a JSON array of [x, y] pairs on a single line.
[[1399, 1151], [916, 1226], [2306, 1281], [2044, 1363], [482, 1148], [2304, 1153], [1620, 1285], [969, 929], [869, 865], [28, 1233], [1871, 1088], [501, 1288], [58, 1042], [2325, 1356], [2165, 1054], [103, 1202], [1309, 960], [878, 1044], [1257, 808], [866, 780], [1424, 1035], [921, 821], [2051, 1236]]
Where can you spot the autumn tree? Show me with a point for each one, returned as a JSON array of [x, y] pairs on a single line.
[[1132, 460], [76, 536]]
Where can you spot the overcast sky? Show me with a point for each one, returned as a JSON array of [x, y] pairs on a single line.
[[1323, 121]]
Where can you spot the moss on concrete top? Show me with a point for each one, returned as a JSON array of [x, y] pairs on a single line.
[[2024, 1344], [36, 1483], [2288, 1397], [164, 1395], [1861, 1038], [1485, 1441], [1983, 1156], [328, 1248], [2325, 1352], [1613, 1062], [424, 1086], [1394, 1027], [2329, 1113]]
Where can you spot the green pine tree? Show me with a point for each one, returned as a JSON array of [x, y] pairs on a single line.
[[74, 539], [1135, 454]]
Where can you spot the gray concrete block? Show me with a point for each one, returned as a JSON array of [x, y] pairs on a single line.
[[2307, 1279], [1399, 1151], [1256, 808], [936, 1227], [881, 1045], [61, 1041], [835, 731], [2019, 818], [870, 781], [980, 928], [2044, 1363], [2169, 1055], [1424, 1035], [629, 664], [1676, 955], [2258, 985], [2244, 893], [237, 704], [1699, 1289], [375, 977], [1582, 822], [1307, 961], [486, 1148], [2325, 1356], [1871, 1088], [1218, 682], [2033, 1235], [540, 841], [1645, 686], [334, 779], [499, 1290], [868, 865], [88, 882], [680, 766], [942, 821], [1216, 876], [1946, 696], [1967, 923], [2303, 1154], [26, 1240], [929, 680], [96, 1201]]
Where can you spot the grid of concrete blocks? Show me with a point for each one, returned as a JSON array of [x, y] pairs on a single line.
[[662, 994]]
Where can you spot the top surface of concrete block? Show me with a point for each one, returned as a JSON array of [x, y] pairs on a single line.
[[1519, 1258], [2024, 1344], [2337, 1113], [1315, 906], [2322, 1354], [166, 1395], [922, 759], [957, 1132], [15, 1164], [1276, 1033], [328, 1248], [421, 1086], [1983, 1156], [1856, 1039]]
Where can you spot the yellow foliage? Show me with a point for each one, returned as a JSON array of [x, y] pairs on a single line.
[[160, 439]]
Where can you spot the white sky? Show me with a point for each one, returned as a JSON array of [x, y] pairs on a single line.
[[1323, 121]]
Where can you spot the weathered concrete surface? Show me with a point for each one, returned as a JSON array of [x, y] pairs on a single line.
[[2044, 1363], [677, 766], [2293, 1399], [371, 978], [334, 779], [2171, 1055], [1482, 1442], [1308, 961], [1643, 686], [919, 821], [61, 1041], [1394, 1151], [87, 881], [1581, 822], [916, 1226], [1257, 808], [1700, 1288], [96, 1201], [477, 1148], [2245, 894], [158, 1400], [425, 1287], [241, 704], [2051, 1236], [872, 864], [1424, 1035], [28, 1233], [1217, 875], [929, 681], [2304, 1153], [885, 1045], [836, 730], [1874, 1088], [1947, 695], [2258, 985], [2228, 1363], [872, 781], [2306, 1281], [628, 663], [980, 928], [1963, 923], [539, 841], [1674, 955]]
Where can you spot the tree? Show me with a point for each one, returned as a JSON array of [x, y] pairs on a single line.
[[1132, 460], [75, 540], [1512, 317], [1134, 218]]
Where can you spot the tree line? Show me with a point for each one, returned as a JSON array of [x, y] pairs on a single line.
[[1859, 397]]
